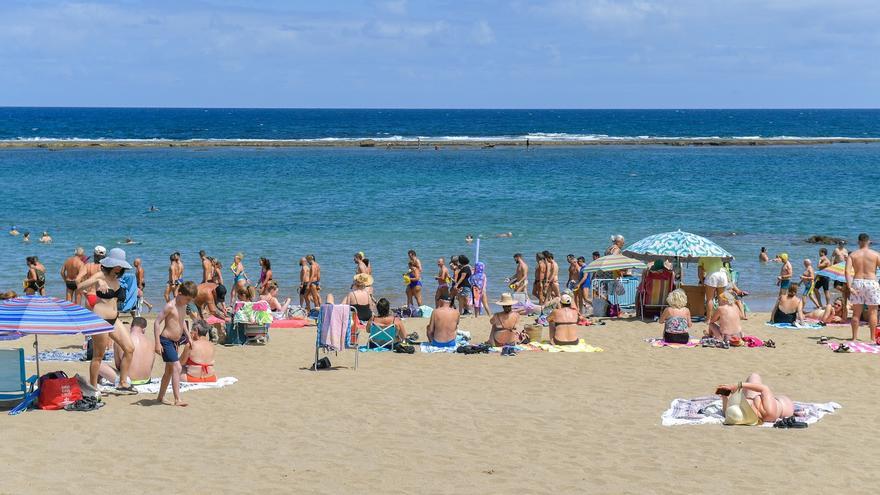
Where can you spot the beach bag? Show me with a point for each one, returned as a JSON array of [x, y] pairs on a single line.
[[57, 391], [613, 310]]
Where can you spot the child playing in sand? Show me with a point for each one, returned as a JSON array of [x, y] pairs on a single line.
[[725, 321], [170, 337]]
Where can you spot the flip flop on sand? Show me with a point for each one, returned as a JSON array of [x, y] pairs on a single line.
[[822, 340], [843, 348], [129, 390]]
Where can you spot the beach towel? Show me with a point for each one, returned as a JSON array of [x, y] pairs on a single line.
[[517, 348], [853, 347], [663, 343], [59, 355], [294, 323], [807, 325], [846, 323], [129, 283], [335, 326], [707, 410], [213, 320], [581, 346], [255, 313], [153, 386]]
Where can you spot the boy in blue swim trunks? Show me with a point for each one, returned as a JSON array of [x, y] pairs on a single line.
[[169, 331]]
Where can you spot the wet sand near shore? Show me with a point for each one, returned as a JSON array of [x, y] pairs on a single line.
[[439, 423], [410, 143]]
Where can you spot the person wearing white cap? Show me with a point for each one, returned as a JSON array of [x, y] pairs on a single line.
[[563, 322], [107, 293], [88, 270]]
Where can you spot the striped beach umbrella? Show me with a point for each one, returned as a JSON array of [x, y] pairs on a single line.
[[836, 272], [39, 315], [613, 262], [684, 246]]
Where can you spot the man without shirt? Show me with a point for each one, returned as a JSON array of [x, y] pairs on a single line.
[[862, 286]]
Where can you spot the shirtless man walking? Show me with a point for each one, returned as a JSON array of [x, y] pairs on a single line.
[[90, 269], [520, 280], [69, 271], [305, 278], [314, 292], [175, 276], [574, 270], [443, 279], [207, 267], [862, 284], [540, 277], [551, 288], [168, 333]]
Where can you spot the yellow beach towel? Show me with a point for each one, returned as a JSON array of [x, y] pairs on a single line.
[[581, 346]]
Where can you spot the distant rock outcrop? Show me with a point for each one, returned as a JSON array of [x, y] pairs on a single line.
[[823, 239]]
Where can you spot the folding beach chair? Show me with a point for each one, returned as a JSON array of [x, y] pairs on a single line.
[[382, 337], [652, 291], [13, 384], [337, 330]]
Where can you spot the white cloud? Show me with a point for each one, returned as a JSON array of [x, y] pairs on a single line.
[[483, 34], [397, 7]]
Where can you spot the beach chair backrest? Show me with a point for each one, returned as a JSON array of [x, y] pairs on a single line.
[[12, 371], [382, 337]]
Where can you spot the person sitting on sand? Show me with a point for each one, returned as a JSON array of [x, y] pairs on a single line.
[[504, 323], [789, 308], [725, 320], [359, 297], [208, 300], [758, 405], [198, 356], [244, 294], [835, 312], [443, 324], [45, 238], [383, 318], [563, 322], [141, 361], [676, 318], [272, 298]]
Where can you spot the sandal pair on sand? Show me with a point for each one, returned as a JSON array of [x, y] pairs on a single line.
[[789, 422], [85, 404]]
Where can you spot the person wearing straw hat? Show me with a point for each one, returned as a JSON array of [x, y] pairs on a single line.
[[359, 298], [504, 323], [751, 403], [107, 292]]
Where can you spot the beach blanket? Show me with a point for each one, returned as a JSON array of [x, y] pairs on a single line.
[[294, 323], [663, 343], [153, 386], [517, 348], [807, 325], [430, 349], [581, 346], [335, 326], [59, 355], [853, 346], [253, 312], [841, 324], [707, 410]]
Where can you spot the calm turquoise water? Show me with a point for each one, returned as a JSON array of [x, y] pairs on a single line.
[[285, 203]]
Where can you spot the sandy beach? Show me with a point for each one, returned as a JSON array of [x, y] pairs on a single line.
[[438, 423]]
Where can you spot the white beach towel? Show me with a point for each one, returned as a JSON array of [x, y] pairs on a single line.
[[153, 386], [707, 410]]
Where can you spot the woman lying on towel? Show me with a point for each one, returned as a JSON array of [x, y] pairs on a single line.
[[198, 356], [789, 307], [833, 313], [751, 403]]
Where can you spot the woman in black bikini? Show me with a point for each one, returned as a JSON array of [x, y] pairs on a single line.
[[108, 292], [789, 307], [35, 283], [359, 298], [563, 322]]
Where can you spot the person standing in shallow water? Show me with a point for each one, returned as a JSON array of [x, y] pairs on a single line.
[[69, 271], [762, 256]]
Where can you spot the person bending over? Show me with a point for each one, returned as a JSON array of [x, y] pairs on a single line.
[[443, 324]]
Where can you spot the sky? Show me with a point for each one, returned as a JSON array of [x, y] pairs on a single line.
[[441, 54]]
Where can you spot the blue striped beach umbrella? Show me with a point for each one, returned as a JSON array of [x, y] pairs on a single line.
[[39, 315], [684, 246]]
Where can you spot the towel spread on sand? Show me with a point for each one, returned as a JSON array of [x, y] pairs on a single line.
[[853, 347], [59, 355], [153, 386], [807, 325], [581, 346], [335, 326], [707, 410], [663, 343], [846, 323], [430, 349]]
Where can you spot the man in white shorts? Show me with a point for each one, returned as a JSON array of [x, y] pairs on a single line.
[[861, 283], [714, 279]]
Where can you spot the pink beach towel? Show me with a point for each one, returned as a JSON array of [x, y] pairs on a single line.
[[663, 343], [335, 325], [856, 347]]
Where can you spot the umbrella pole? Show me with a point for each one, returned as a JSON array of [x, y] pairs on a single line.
[[37, 352]]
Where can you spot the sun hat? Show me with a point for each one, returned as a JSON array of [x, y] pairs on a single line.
[[364, 279], [739, 411], [100, 250], [506, 300], [565, 299], [114, 259]]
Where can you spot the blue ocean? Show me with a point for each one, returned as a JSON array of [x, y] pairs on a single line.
[[283, 203]]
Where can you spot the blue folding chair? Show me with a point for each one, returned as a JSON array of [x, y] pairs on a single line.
[[13, 384], [382, 337]]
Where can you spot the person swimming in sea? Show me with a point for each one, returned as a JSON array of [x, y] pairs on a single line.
[[153, 209], [13, 230], [26, 237], [45, 238], [469, 239], [504, 235]]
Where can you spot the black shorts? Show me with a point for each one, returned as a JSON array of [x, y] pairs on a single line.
[[71, 284], [838, 285], [302, 289], [821, 283]]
